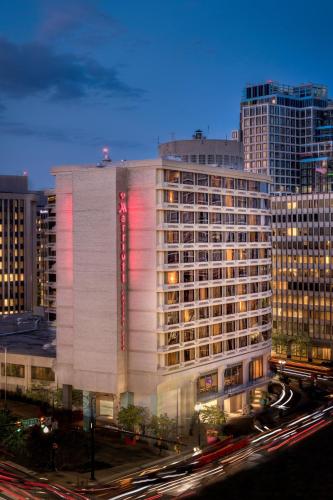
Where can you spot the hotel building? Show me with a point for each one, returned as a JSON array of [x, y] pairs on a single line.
[[163, 285]]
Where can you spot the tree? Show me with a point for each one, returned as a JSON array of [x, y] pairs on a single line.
[[133, 417], [212, 415], [162, 426]]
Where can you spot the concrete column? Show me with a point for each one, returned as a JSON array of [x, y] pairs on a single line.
[[67, 396]]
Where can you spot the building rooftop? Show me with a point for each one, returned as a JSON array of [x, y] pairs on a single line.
[[27, 337]]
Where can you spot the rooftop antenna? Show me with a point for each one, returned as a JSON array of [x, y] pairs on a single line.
[[106, 156]]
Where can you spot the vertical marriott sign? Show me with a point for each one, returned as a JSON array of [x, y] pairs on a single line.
[[122, 210]]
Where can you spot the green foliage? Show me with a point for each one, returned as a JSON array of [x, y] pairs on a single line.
[[212, 415], [162, 426], [133, 417]]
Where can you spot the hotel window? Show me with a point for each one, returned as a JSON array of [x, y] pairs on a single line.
[[42, 373], [171, 278], [233, 376], [172, 257], [171, 217], [202, 256], [188, 198], [207, 383], [217, 310], [255, 338], [228, 200], [203, 293], [171, 176], [215, 200], [215, 218], [171, 237], [203, 332], [229, 183], [215, 181], [256, 368], [242, 324], [189, 335], [171, 196], [217, 329], [188, 276], [171, 298], [202, 275], [202, 217], [189, 354], [204, 351], [217, 348], [203, 312], [216, 292], [188, 256], [230, 237], [187, 178], [172, 358], [217, 274], [202, 198], [172, 338], [188, 315], [188, 237], [216, 237], [230, 344], [202, 236], [241, 202], [171, 317], [13, 370], [217, 255], [242, 184], [202, 180], [230, 309], [188, 296], [187, 217], [242, 341]]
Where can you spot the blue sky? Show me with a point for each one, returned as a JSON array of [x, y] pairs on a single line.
[[77, 75]]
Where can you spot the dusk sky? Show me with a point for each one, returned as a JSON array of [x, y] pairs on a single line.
[[77, 75]]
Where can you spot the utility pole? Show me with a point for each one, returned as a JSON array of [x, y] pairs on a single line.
[[92, 440], [5, 399]]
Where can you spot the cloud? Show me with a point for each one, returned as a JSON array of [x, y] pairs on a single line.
[[53, 134], [32, 69], [77, 20]]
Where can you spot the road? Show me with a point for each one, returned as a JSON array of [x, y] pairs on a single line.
[[184, 478], [18, 485]]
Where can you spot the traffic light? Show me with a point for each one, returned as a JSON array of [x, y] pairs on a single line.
[[18, 425]]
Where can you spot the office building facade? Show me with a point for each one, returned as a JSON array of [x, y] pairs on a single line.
[[18, 290], [288, 131], [163, 285]]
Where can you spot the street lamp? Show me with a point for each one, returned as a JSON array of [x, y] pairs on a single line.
[[5, 351], [282, 362], [197, 409]]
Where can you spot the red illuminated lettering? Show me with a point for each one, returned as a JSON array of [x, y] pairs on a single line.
[[122, 210]]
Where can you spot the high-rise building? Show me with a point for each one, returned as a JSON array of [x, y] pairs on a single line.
[[18, 290], [199, 149], [288, 132], [278, 122], [163, 285]]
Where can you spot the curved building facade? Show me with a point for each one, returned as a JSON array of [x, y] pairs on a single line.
[[199, 149]]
